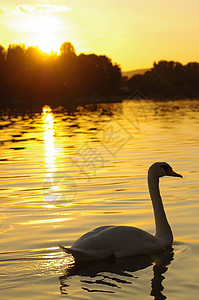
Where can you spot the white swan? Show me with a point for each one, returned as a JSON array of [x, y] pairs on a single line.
[[122, 241]]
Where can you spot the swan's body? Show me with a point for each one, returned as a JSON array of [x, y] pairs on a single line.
[[122, 241]]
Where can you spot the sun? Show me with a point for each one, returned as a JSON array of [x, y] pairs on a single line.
[[47, 42], [46, 28], [44, 31]]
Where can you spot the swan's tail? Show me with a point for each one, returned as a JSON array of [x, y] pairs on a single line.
[[77, 254]]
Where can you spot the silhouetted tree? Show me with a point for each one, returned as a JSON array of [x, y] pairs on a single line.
[[15, 71], [168, 79], [67, 49], [29, 76], [2, 69]]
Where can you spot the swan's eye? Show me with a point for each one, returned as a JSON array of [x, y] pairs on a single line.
[[167, 168]]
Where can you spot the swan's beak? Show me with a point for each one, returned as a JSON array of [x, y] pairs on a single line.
[[174, 174]]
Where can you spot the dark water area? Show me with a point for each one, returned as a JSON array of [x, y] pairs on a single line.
[[66, 171]]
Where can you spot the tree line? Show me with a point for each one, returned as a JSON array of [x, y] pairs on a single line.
[[28, 76], [167, 79]]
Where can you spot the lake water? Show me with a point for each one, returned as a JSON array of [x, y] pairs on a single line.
[[63, 173]]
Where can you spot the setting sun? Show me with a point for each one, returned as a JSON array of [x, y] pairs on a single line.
[[44, 30], [46, 42], [40, 25], [131, 36]]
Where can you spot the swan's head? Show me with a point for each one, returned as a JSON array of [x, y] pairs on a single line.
[[160, 169]]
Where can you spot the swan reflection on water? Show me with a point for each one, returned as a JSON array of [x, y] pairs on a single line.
[[109, 276]]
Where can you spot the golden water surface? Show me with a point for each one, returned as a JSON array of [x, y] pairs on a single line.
[[65, 172]]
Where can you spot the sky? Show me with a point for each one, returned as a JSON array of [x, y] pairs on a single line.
[[133, 33]]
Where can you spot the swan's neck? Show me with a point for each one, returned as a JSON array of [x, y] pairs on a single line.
[[163, 230]]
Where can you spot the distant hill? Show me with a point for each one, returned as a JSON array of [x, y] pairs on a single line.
[[129, 74]]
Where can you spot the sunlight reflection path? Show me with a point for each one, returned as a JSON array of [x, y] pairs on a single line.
[[50, 151], [49, 138], [59, 188]]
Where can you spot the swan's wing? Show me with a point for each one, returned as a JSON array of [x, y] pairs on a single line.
[[119, 240], [81, 252], [92, 233]]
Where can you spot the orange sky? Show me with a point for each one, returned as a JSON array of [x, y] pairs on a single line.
[[134, 33]]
